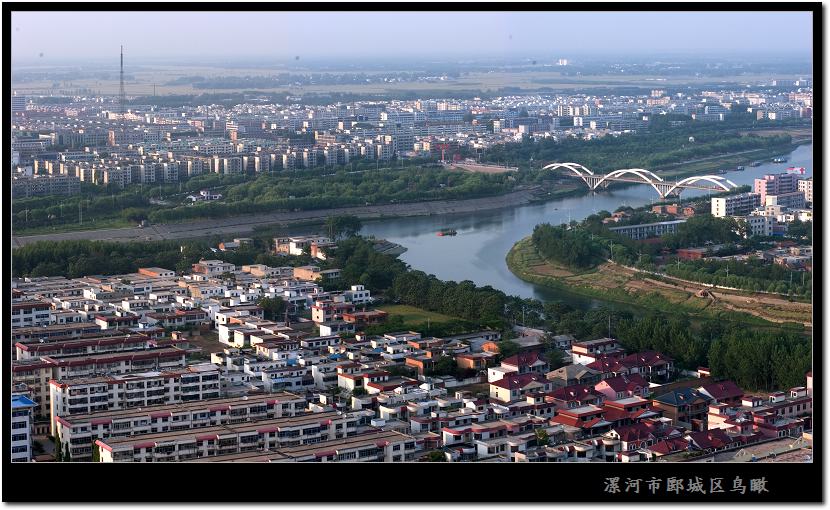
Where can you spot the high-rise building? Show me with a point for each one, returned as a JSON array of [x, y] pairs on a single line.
[[21, 440], [18, 104], [806, 186], [775, 184]]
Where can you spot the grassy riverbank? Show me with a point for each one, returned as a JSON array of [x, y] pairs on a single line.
[[610, 282]]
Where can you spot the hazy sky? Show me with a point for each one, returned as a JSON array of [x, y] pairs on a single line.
[[95, 35]]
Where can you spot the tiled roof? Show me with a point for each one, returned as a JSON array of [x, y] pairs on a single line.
[[723, 390], [512, 382]]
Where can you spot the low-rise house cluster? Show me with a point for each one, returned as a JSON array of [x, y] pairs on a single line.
[[128, 379]]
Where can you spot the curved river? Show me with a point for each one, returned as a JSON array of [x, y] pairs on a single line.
[[478, 252]]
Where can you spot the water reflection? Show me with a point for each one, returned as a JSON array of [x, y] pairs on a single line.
[[478, 252]]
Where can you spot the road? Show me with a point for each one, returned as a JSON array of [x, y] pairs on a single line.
[[245, 224]]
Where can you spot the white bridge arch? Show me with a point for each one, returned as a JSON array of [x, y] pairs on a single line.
[[647, 176], [721, 182], [576, 168], [644, 176]]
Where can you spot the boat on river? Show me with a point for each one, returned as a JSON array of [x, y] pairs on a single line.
[[447, 232]]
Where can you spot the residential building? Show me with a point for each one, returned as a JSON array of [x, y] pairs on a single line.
[[30, 314], [572, 375], [686, 407], [21, 428], [83, 395], [775, 184], [174, 446], [647, 230], [79, 431], [587, 352], [372, 446], [806, 186], [513, 387], [732, 205], [791, 200]]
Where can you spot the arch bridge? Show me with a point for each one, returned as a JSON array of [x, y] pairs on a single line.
[[663, 188]]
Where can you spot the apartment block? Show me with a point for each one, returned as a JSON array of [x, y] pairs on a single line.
[[30, 314], [70, 397], [181, 445], [791, 200], [79, 431], [647, 230], [731, 205], [806, 187], [373, 446], [21, 428], [775, 184]]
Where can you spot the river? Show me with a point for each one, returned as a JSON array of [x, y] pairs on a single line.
[[478, 252]]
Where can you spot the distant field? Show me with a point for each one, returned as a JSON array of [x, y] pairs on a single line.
[[484, 169], [414, 315], [144, 79], [613, 282]]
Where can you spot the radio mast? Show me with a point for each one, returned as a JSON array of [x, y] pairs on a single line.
[[122, 98]]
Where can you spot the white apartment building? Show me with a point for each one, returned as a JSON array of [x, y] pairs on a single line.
[[740, 204], [373, 446], [107, 393], [309, 428], [30, 313], [358, 295], [806, 187], [758, 225], [21, 428], [79, 431]]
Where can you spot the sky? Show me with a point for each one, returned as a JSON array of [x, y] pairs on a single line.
[[50, 37]]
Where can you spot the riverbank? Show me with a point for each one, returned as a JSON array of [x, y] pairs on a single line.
[[239, 225], [725, 161], [612, 282]]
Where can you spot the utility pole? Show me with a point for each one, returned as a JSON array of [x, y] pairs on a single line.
[[80, 216]]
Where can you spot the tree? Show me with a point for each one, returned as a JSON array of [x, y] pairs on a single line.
[[274, 307], [228, 276], [542, 438], [399, 370], [554, 357], [58, 449], [436, 456], [96, 452], [340, 227], [508, 348], [359, 392], [444, 365], [66, 456]]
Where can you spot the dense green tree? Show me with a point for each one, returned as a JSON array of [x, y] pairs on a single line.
[[508, 348], [435, 456], [274, 307], [338, 227]]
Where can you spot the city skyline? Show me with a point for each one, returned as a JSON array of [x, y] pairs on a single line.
[[354, 34]]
